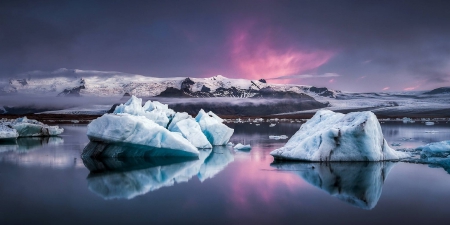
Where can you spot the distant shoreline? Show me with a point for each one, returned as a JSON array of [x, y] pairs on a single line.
[[85, 119]]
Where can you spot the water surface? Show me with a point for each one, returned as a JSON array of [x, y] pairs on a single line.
[[44, 181]]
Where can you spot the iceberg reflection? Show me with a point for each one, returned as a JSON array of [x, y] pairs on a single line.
[[357, 183], [126, 178]]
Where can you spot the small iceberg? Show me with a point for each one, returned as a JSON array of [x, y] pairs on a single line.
[[435, 149], [429, 123], [276, 137], [272, 124], [240, 146], [25, 127], [330, 136]]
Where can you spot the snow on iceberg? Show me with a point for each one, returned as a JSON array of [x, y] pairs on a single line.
[[178, 117], [358, 183], [213, 128], [7, 132], [192, 132], [155, 111], [330, 136], [140, 131]]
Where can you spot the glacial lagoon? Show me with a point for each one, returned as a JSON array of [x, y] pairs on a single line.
[[45, 181]]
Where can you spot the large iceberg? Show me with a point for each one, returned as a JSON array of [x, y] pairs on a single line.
[[155, 130], [358, 183], [137, 130], [330, 136], [213, 128], [28, 128], [192, 132]]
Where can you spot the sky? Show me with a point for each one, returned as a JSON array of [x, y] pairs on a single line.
[[346, 45]]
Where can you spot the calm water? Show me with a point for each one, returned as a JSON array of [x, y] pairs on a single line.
[[44, 181]]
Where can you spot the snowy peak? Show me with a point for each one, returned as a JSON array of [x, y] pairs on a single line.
[[74, 82]]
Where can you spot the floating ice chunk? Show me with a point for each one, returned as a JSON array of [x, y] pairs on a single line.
[[272, 124], [396, 144], [358, 183], [7, 132], [429, 123], [240, 146], [178, 117], [32, 128], [216, 132], [192, 132], [435, 149], [137, 130], [275, 137], [330, 136], [230, 144]]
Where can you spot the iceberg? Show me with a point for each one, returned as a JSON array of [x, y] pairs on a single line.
[[192, 132], [358, 183], [215, 131], [330, 136], [138, 131], [436, 149], [240, 146], [28, 128], [7, 133]]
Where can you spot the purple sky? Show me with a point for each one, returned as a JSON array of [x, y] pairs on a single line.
[[347, 45]]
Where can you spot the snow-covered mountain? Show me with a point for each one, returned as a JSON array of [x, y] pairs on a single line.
[[73, 82]]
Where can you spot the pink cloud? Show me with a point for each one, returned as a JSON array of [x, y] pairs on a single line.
[[331, 81], [257, 57], [386, 88]]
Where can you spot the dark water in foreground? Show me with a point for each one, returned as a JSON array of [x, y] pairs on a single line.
[[44, 181]]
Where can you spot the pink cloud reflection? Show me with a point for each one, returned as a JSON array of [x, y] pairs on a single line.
[[257, 57], [262, 182]]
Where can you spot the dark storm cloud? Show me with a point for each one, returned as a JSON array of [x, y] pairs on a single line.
[[370, 44]]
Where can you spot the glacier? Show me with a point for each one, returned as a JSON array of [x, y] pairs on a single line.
[[213, 128], [356, 183], [330, 136]]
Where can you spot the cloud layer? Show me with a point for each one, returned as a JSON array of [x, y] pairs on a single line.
[[400, 44]]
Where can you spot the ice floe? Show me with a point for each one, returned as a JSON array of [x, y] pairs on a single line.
[[330, 136]]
